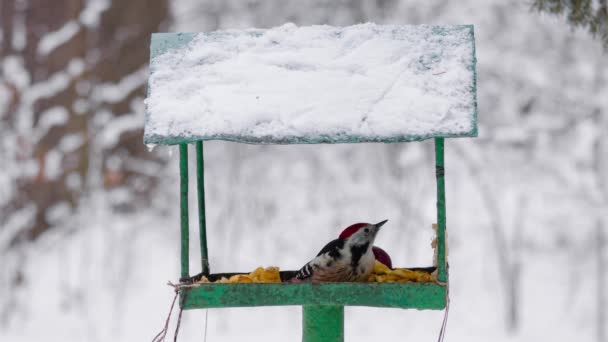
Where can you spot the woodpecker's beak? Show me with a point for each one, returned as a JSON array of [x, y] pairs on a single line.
[[380, 224]]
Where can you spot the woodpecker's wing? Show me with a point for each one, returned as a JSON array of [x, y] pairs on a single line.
[[305, 272], [330, 251], [333, 248]]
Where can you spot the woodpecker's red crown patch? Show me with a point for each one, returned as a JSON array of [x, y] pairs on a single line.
[[352, 229]]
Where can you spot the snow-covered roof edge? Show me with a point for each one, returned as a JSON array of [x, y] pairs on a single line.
[[162, 43]]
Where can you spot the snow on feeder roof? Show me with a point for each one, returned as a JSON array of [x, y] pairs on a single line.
[[313, 84]]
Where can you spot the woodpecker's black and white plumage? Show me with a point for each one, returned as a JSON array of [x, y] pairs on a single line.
[[348, 258]]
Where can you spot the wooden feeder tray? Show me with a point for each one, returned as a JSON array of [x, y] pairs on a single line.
[[406, 295]]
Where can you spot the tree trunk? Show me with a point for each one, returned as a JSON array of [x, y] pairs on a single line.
[[76, 72], [72, 81]]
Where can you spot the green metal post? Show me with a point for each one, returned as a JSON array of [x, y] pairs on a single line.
[[323, 323], [183, 184], [440, 174], [202, 223]]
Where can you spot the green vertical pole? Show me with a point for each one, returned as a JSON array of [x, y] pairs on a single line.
[[183, 185], [440, 174], [323, 323], [202, 222]]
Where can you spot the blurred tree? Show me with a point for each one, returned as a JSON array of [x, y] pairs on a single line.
[[593, 16], [71, 108], [590, 14]]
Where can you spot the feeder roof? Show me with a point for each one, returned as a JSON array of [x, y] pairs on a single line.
[[312, 84]]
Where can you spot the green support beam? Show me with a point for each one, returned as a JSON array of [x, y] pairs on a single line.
[[441, 243], [394, 295], [202, 222], [323, 323], [183, 200]]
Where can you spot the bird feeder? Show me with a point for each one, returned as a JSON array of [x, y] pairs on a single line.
[[311, 85]]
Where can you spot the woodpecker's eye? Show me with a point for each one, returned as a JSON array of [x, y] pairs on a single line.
[[366, 230]]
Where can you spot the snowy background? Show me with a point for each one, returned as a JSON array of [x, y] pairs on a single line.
[[89, 221]]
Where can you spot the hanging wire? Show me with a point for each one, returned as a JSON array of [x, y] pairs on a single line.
[[179, 318], [206, 323], [445, 313], [160, 337]]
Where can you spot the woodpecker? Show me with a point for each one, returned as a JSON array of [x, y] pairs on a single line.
[[347, 258]]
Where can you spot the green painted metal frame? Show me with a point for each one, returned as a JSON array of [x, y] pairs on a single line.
[[322, 323], [390, 295], [202, 218], [442, 272], [323, 303], [219, 295], [183, 200]]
